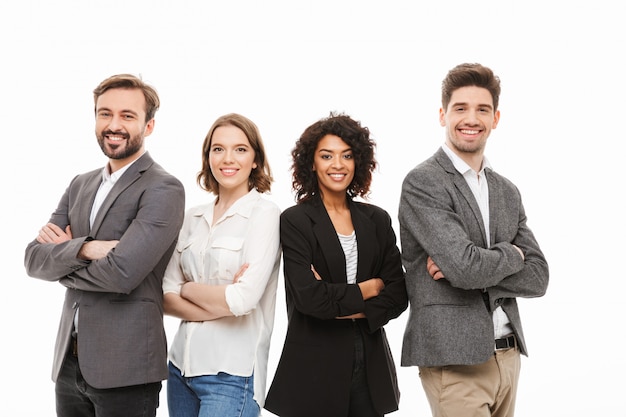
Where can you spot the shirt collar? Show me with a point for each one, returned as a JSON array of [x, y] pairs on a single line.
[[242, 207], [113, 177], [460, 165]]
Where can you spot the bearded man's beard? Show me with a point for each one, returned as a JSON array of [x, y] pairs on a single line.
[[124, 149]]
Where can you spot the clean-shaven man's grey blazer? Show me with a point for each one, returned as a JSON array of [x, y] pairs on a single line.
[[449, 323], [121, 339]]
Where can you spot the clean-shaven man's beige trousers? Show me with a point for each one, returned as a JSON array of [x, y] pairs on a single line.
[[485, 390]]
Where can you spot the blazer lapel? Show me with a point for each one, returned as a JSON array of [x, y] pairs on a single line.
[[495, 198], [329, 242], [133, 173], [80, 226], [461, 185]]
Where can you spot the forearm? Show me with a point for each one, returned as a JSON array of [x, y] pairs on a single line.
[[388, 305], [352, 316], [210, 298], [52, 262], [176, 306], [369, 289], [532, 281]]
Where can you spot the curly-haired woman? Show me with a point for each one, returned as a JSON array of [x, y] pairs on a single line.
[[344, 281]]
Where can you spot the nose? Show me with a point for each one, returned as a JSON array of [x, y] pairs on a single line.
[[228, 156], [337, 162], [115, 124], [472, 117]]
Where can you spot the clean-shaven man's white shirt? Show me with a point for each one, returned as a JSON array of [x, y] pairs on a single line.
[[478, 184]]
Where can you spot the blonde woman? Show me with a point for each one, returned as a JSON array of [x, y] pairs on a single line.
[[221, 280]]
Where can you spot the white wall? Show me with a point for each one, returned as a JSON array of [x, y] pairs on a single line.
[[285, 64]]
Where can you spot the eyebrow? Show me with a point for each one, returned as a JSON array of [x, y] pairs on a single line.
[[330, 150], [489, 106], [123, 111], [237, 145]]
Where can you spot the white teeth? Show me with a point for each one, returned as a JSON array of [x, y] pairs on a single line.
[[470, 132]]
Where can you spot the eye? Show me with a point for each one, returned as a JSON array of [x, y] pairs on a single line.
[[325, 156], [104, 114], [217, 149], [348, 156], [242, 149]]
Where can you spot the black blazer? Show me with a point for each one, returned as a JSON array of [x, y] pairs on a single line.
[[313, 376]]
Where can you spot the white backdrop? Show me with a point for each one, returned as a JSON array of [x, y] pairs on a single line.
[[285, 64]]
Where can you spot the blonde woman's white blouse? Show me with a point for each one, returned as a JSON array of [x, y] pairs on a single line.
[[247, 233]]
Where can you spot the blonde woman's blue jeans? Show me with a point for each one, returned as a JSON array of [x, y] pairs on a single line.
[[220, 395]]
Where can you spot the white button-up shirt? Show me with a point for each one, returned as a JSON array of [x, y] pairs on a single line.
[[478, 184], [247, 233]]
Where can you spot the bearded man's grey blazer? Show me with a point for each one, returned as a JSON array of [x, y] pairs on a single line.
[[121, 339], [449, 322]]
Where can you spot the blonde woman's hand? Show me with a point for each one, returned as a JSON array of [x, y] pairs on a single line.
[[239, 273]]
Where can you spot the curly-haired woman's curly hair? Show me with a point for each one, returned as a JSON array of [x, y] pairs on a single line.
[[304, 179]]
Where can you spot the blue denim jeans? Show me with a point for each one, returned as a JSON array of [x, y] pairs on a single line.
[[220, 395], [76, 398]]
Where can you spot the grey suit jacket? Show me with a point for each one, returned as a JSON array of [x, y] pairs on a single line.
[[449, 323], [121, 339]]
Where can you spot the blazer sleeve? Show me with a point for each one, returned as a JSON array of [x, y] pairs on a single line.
[[261, 252], [50, 261], [155, 219], [532, 280], [320, 299], [393, 299], [151, 232], [431, 214]]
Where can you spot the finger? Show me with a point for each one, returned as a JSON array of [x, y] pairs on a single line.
[[54, 229], [45, 235], [315, 274]]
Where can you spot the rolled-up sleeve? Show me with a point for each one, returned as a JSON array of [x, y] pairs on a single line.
[[261, 251]]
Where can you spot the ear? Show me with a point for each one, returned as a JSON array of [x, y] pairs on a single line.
[[149, 128], [496, 119], [442, 116]]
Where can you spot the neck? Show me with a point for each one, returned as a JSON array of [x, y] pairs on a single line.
[[227, 198], [115, 164], [335, 202], [473, 159]]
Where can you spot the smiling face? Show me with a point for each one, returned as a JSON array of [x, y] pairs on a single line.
[[333, 164], [231, 159], [121, 125], [469, 119]]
